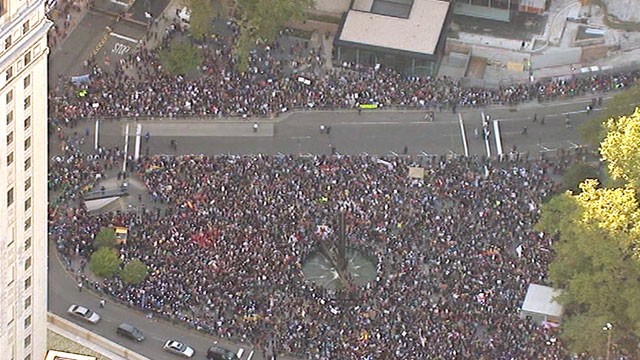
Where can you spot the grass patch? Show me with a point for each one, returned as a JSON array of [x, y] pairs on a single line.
[[58, 342]]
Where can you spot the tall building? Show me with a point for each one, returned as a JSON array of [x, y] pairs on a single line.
[[23, 179]]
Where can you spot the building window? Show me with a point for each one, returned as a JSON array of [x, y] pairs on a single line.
[[7, 42], [27, 303], [27, 102], [27, 184], [27, 143], [27, 341], [27, 264], [27, 204], [27, 244], [27, 321], [10, 197], [27, 223], [9, 117], [25, 27], [27, 122], [27, 58], [27, 283], [27, 164], [9, 96], [10, 138], [28, 357], [27, 81], [9, 73], [10, 159]]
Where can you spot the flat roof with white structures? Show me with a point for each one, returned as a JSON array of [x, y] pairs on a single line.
[[418, 33], [540, 300]]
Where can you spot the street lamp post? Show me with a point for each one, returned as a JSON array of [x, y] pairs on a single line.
[[607, 327]]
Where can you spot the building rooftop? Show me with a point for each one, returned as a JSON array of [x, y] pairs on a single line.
[[419, 32]]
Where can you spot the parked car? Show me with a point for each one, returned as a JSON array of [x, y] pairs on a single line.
[[130, 332], [179, 348], [219, 353], [83, 313]]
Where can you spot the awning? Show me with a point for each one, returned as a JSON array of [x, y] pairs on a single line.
[[99, 204]]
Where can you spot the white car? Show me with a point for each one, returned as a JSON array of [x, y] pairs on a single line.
[[178, 348], [84, 313]]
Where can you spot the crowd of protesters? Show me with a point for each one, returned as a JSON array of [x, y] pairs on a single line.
[[225, 239], [281, 78]]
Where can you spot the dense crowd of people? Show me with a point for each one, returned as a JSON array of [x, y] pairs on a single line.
[[225, 239], [140, 86]]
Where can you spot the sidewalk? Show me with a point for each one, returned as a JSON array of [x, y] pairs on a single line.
[[89, 345]]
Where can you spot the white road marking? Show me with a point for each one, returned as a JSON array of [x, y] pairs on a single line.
[[544, 148], [496, 133], [250, 355], [464, 135], [120, 3], [240, 352], [123, 37], [393, 153]]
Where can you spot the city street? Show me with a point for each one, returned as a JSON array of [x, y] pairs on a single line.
[[378, 132], [372, 132], [63, 292]]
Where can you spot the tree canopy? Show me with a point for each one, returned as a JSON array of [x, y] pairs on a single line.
[[106, 237], [105, 262], [621, 147], [181, 58], [576, 174], [134, 272], [261, 21], [201, 18], [597, 247]]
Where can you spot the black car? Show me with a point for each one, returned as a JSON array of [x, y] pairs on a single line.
[[130, 331], [220, 353]]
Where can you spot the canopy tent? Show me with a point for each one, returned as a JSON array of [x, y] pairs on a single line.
[[99, 204], [540, 306]]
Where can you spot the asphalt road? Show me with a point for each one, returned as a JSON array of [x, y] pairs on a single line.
[[377, 132], [63, 292], [380, 133]]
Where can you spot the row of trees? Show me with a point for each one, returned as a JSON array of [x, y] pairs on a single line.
[[597, 232], [105, 261], [260, 21]]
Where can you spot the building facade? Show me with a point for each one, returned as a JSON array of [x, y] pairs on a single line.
[[405, 35], [23, 179]]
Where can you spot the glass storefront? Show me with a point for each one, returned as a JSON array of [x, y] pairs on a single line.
[[401, 63]]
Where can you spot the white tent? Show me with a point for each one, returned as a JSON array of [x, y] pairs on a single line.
[[99, 204], [539, 304]]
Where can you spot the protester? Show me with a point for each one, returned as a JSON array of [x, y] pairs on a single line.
[[281, 78], [225, 237]]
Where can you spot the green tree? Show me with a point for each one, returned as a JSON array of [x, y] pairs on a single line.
[[576, 174], [105, 262], [201, 18], [134, 272], [599, 277], [621, 148], [623, 103], [181, 58], [262, 20], [106, 237]]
